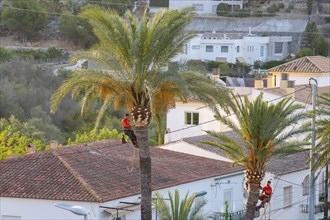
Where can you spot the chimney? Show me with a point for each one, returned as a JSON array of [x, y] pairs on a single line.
[[12, 156], [284, 81], [270, 83], [215, 74], [290, 89], [258, 82], [31, 148], [53, 144]]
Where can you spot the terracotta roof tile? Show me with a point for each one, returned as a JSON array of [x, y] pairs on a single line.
[[302, 94], [100, 171], [276, 165], [312, 64]]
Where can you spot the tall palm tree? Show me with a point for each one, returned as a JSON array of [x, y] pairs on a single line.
[[322, 130], [177, 210], [133, 71], [264, 130]]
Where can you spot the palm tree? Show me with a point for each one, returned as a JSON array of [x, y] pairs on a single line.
[[322, 130], [133, 71], [263, 130], [177, 210]]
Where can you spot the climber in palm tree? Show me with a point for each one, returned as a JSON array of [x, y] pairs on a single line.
[[264, 130], [134, 72]]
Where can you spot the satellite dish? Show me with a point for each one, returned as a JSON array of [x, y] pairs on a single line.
[[78, 210]]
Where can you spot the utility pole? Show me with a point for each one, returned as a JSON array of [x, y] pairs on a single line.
[[326, 204], [311, 206]]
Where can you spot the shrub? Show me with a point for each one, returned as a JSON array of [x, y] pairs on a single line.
[[223, 9], [257, 13], [242, 13], [327, 19]]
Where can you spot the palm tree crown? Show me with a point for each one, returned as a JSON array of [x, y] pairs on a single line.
[[177, 210], [133, 71], [264, 130]]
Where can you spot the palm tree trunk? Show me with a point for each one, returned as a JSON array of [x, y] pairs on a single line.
[[252, 201], [145, 172]]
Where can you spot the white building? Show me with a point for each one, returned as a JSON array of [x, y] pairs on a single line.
[[233, 47], [205, 6], [201, 6], [103, 177], [289, 176]]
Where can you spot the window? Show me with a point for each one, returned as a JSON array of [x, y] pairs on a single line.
[[262, 53], [198, 7], [185, 49], [287, 196], [191, 118], [224, 49], [237, 49], [209, 48], [227, 196], [278, 47], [305, 185], [196, 47]]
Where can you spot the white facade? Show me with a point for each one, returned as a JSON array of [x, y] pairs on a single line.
[[249, 48], [217, 188], [179, 128], [204, 6], [303, 79]]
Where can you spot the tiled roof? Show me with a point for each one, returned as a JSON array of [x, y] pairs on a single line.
[[312, 64], [276, 165], [100, 171], [302, 94]]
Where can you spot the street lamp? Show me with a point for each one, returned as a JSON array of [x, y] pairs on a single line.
[[75, 209], [201, 193]]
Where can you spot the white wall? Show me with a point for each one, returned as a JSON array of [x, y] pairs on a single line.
[[42, 209], [303, 78], [249, 48], [184, 147], [207, 6]]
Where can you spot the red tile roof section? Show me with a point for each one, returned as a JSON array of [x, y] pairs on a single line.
[[303, 92], [312, 64], [100, 171]]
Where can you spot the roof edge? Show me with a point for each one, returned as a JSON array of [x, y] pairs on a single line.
[[76, 175]]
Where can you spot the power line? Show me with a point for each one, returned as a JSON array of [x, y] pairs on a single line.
[[206, 122]]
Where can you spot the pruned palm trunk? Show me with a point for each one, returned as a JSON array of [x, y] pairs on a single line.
[[252, 201], [145, 172]]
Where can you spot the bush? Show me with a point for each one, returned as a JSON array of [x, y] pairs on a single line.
[[223, 9], [280, 6], [304, 52], [327, 19], [242, 13], [257, 13], [271, 10], [309, 6]]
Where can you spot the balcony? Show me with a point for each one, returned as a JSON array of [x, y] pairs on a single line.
[[317, 209]]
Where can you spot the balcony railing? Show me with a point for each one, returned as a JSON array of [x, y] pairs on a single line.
[[318, 208]]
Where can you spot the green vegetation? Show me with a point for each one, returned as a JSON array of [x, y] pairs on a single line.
[[267, 65], [28, 54], [95, 135], [138, 54], [304, 52], [309, 6], [260, 129], [317, 43], [77, 30], [183, 209], [24, 17], [223, 9]]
